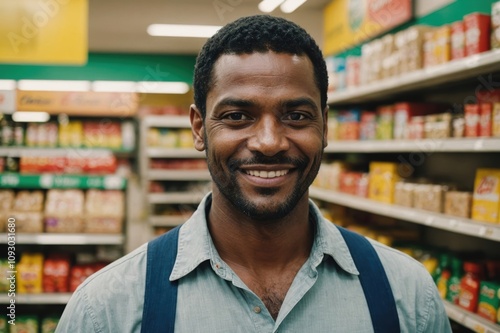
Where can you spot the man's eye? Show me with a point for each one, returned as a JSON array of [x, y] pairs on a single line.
[[236, 116], [296, 116]]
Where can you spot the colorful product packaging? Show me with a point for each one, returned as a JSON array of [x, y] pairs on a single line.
[[495, 25], [458, 203], [485, 116], [472, 114], [403, 112], [457, 40], [383, 178], [486, 197], [469, 286], [442, 44], [489, 300], [477, 33], [385, 122], [428, 47], [25, 324], [495, 118], [30, 273], [348, 124], [368, 126]]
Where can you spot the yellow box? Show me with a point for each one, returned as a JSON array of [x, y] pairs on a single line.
[[486, 197], [30, 273], [442, 44], [383, 178]]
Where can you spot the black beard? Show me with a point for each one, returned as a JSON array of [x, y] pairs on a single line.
[[231, 191]]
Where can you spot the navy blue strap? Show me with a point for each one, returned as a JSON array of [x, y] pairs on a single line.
[[160, 297], [375, 284]]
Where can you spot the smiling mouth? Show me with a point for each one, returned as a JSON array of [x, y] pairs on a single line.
[[266, 174]]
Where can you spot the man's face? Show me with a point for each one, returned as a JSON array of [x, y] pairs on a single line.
[[264, 131]]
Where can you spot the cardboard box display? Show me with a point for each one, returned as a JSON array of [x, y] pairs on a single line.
[[486, 196]]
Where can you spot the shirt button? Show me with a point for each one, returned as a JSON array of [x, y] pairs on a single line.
[[256, 309]]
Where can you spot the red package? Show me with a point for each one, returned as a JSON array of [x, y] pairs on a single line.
[[477, 33], [368, 126], [471, 120], [403, 112], [457, 40], [349, 181], [485, 123], [56, 273]]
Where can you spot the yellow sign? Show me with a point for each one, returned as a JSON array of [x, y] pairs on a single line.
[[44, 31], [79, 103], [350, 22]]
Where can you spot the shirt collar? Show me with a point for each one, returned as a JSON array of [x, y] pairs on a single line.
[[196, 245]]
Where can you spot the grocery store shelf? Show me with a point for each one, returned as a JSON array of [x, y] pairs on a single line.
[[430, 219], [469, 67], [425, 145], [62, 152], [47, 181], [178, 175], [45, 298], [167, 121], [167, 221], [174, 153], [191, 197], [469, 319], [64, 239]]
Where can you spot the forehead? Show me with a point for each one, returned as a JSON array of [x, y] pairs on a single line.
[[266, 68]]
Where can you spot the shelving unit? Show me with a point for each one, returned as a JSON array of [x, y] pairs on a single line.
[[65, 239], [430, 84], [48, 181], [469, 319], [44, 298], [175, 197], [452, 71], [434, 220]]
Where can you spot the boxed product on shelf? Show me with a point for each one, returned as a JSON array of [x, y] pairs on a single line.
[[429, 197], [495, 25], [28, 222], [30, 273], [28, 201], [64, 211], [368, 126], [410, 44], [442, 44], [437, 126], [458, 203], [469, 286], [489, 300], [49, 324], [383, 177], [495, 118], [477, 33], [6, 200], [353, 71], [457, 40], [329, 175], [178, 164], [458, 126], [385, 122], [472, 114], [405, 111], [25, 324], [104, 211], [349, 182], [429, 56], [185, 138], [102, 134], [485, 124], [404, 193], [56, 269], [416, 127], [486, 197], [348, 128]]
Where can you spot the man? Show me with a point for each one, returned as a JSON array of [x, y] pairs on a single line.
[[257, 256]]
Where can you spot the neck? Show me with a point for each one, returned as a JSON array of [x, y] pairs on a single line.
[[260, 245]]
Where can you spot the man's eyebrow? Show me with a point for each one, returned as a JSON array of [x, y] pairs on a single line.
[[290, 104], [235, 102]]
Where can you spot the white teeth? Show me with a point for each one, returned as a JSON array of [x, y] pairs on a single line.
[[267, 174]]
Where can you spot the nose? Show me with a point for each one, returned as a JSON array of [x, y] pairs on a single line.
[[268, 136]]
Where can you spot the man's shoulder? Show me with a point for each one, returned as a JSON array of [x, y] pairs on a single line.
[[130, 265]]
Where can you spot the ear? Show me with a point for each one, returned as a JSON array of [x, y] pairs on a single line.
[[325, 126], [197, 127]]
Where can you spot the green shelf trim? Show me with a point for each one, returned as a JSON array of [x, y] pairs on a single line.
[[51, 181]]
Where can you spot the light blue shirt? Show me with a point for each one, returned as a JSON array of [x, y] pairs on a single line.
[[325, 296]]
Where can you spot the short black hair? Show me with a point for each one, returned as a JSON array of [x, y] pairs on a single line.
[[258, 33]]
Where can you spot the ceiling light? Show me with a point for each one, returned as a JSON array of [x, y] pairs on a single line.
[[290, 5], [114, 86], [30, 116], [268, 6], [155, 87], [183, 30], [53, 85], [7, 84]]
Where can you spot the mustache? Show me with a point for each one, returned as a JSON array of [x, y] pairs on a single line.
[[261, 159]]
